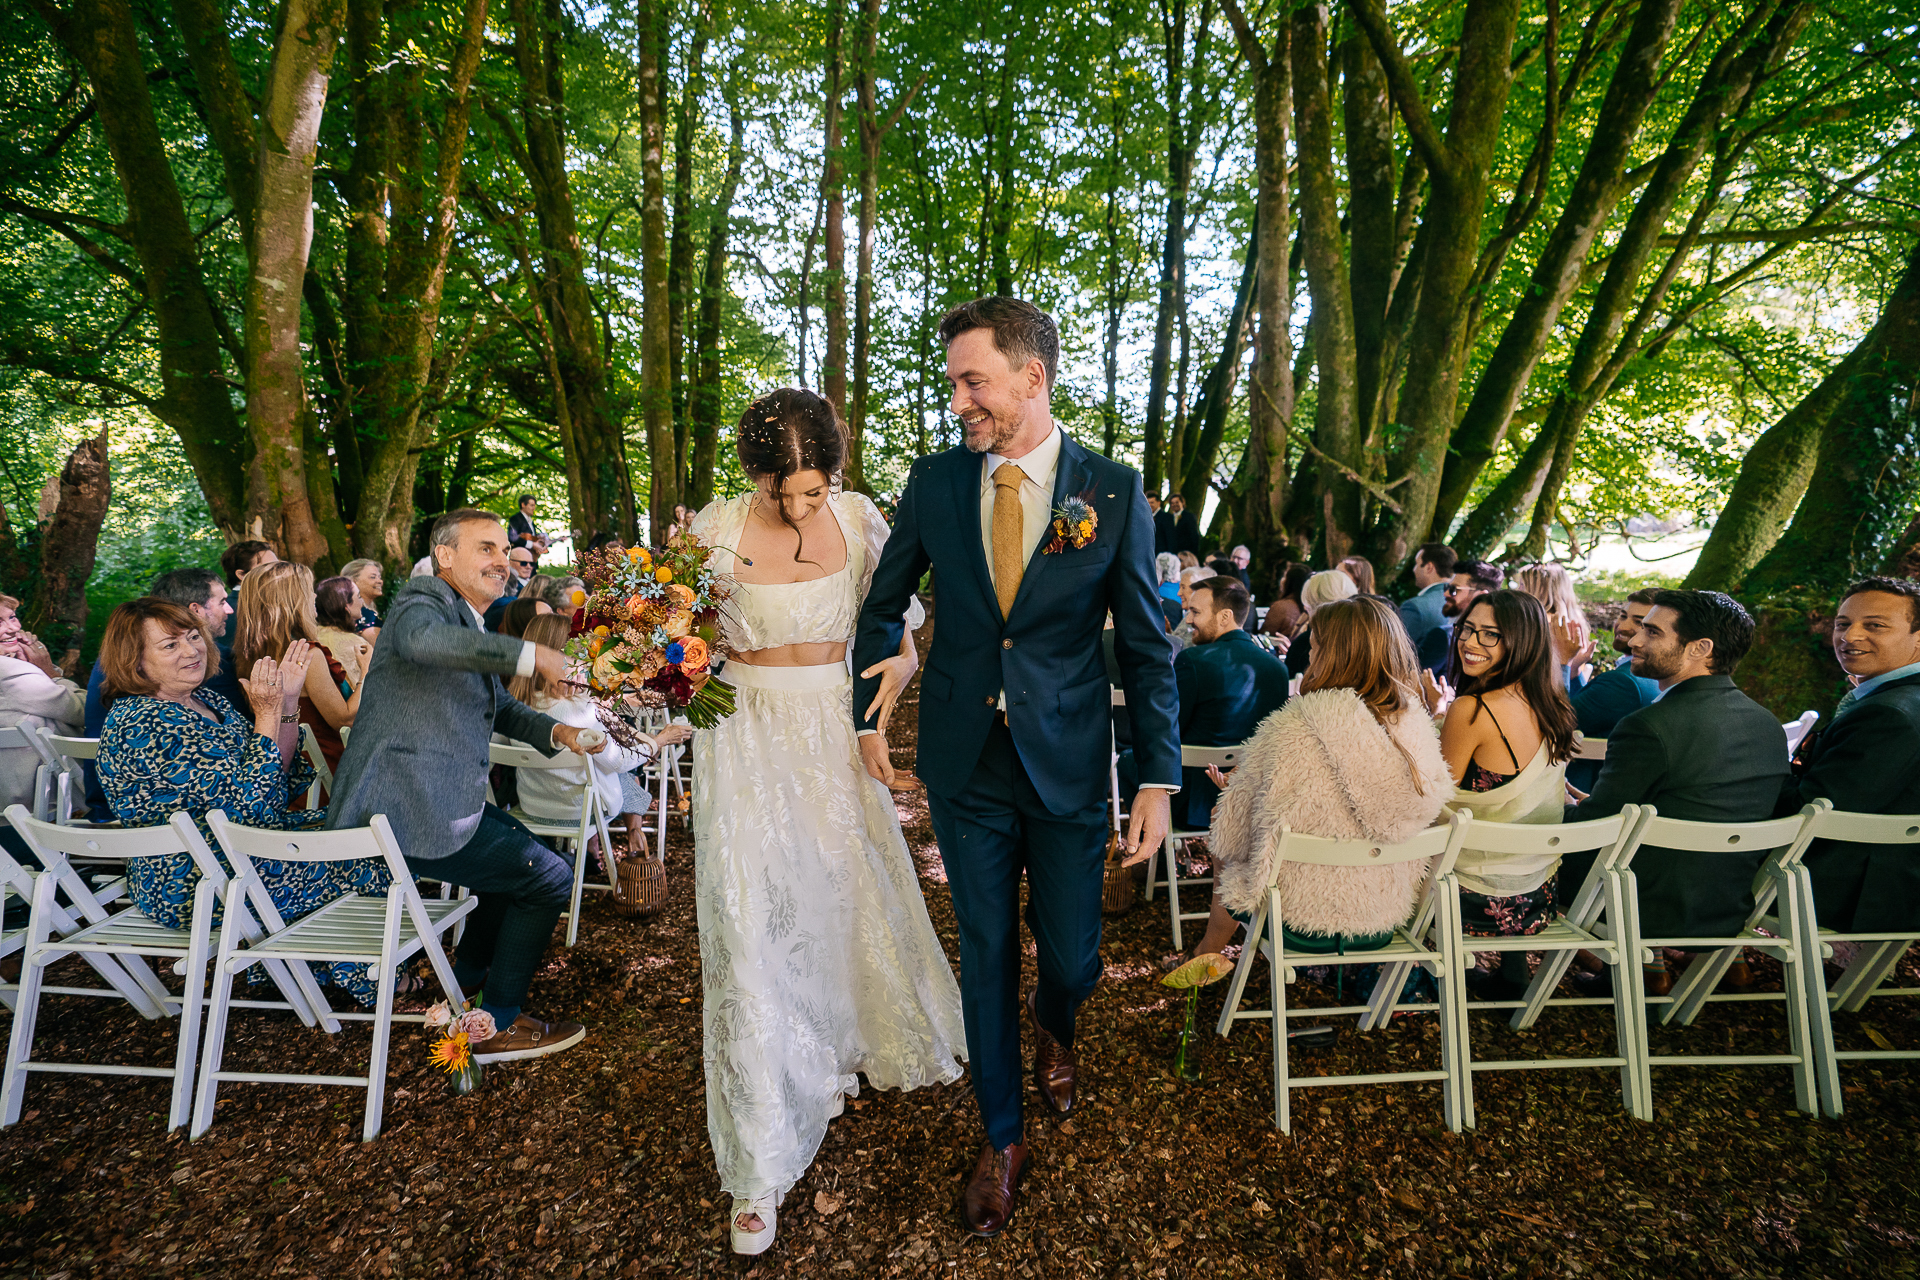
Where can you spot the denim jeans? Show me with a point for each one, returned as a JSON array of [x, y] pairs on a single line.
[[523, 886]]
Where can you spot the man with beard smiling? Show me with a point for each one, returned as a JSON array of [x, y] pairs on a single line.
[[434, 695], [1703, 752], [1867, 760]]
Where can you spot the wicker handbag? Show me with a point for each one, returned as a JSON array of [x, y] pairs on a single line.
[[639, 880], [1117, 895]]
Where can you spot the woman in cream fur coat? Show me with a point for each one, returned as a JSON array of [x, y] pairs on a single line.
[[1354, 757]]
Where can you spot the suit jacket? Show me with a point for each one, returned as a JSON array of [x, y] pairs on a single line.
[[1162, 531], [1046, 654], [1430, 630], [1186, 533], [1705, 752], [1226, 689], [1599, 705], [434, 696], [1866, 761]]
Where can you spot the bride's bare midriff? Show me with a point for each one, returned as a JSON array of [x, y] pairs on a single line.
[[794, 655]]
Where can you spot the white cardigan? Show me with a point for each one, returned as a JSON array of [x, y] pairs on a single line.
[[554, 794], [30, 699]]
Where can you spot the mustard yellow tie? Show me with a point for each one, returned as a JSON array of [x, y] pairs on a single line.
[[1008, 539]]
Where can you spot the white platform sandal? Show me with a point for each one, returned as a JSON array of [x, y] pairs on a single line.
[[752, 1242]]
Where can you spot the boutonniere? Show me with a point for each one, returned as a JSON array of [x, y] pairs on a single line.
[[1074, 523]]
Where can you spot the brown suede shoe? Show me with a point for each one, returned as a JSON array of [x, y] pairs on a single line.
[[987, 1207], [528, 1038], [1053, 1064]]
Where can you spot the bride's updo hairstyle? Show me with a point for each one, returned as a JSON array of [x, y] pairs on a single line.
[[786, 432]]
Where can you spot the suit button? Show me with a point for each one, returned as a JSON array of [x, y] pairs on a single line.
[[1006, 644], [988, 701]]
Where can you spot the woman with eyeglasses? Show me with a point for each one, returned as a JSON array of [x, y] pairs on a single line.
[[1507, 738]]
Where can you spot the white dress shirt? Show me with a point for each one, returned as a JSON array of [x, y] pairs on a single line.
[[522, 668]]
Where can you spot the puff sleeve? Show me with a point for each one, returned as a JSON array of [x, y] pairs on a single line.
[[872, 529]]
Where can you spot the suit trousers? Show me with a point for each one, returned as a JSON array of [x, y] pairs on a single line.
[[991, 833], [522, 886]]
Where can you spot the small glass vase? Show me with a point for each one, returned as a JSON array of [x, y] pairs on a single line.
[[470, 1078], [1183, 1065]]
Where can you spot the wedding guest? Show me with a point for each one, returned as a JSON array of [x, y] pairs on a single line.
[[1188, 560], [422, 568], [368, 576], [522, 531], [519, 571], [1167, 569], [1242, 561], [1507, 738], [172, 744], [1867, 760], [1321, 589], [1186, 528], [336, 609], [555, 794], [1427, 624], [681, 519], [1354, 757], [1704, 752], [1360, 569], [1600, 703], [1552, 586], [519, 615], [1183, 631], [1285, 614], [419, 756], [1471, 579], [276, 609], [1162, 526], [33, 695], [1227, 685], [242, 558]]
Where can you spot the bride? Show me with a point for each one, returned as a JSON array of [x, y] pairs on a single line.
[[818, 960]]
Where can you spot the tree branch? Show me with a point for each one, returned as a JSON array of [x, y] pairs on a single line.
[[1406, 92]]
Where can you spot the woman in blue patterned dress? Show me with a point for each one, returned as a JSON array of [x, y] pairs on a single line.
[[171, 745]]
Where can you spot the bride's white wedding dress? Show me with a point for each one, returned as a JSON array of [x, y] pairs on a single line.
[[817, 957]]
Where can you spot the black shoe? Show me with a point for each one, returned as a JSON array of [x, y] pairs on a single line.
[[1491, 984], [1593, 986]]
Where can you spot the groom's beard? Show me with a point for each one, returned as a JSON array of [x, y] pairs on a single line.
[[997, 435]]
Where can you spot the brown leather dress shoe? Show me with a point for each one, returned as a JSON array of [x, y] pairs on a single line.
[[1053, 1064], [987, 1207]]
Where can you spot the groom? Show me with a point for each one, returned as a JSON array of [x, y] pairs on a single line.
[[1014, 704]]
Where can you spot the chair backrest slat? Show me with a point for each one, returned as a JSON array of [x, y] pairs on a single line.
[[73, 748], [1324, 852], [1866, 828], [1718, 837], [1218, 757], [527, 758], [1562, 838]]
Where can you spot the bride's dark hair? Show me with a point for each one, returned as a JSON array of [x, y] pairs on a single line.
[[786, 432]]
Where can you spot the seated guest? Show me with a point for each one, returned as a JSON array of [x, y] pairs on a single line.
[[563, 593], [1471, 579], [1360, 569], [242, 558], [1166, 567], [516, 617], [419, 755], [1354, 757], [1183, 633], [33, 695], [1228, 685], [1552, 586], [555, 794], [519, 570], [1704, 752], [422, 568], [1867, 760], [172, 744], [1284, 615], [534, 588], [1242, 560], [336, 608], [1507, 738], [1322, 589], [1426, 621], [1221, 567], [367, 576], [1188, 560], [275, 610], [1599, 703]]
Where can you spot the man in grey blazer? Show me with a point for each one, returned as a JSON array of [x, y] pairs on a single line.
[[434, 694]]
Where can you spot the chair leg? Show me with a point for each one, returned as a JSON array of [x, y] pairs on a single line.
[[1386, 995], [1553, 967], [1624, 897], [1153, 870], [579, 886], [382, 1029], [1794, 972], [1456, 1041], [192, 997], [1869, 969], [13, 1080], [1282, 1092], [1826, 1062], [1173, 893], [1243, 970], [1696, 984], [216, 1039]]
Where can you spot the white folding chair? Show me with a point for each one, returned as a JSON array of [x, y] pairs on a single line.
[[1577, 928], [1797, 730], [1442, 958], [1222, 758], [1585, 748], [14, 738], [1879, 951], [68, 752], [592, 820], [322, 772], [18, 880], [382, 933], [1776, 893], [118, 944]]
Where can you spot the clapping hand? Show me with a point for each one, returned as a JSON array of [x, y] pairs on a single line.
[[1437, 693], [1216, 777], [1572, 643]]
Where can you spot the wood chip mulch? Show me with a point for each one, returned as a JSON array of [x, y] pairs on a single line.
[[595, 1162]]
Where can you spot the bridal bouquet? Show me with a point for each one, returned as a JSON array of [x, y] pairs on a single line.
[[650, 623]]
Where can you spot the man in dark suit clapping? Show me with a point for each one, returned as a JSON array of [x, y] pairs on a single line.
[[1867, 760], [1704, 752]]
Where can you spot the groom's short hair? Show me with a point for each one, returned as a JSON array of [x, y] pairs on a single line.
[[1021, 331]]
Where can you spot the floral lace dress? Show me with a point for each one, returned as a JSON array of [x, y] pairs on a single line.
[[818, 960]]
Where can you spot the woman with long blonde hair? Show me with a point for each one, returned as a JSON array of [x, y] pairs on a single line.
[[275, 610], [1552, 586], [1320, 590]]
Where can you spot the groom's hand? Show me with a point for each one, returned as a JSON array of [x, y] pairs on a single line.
[[1148, 823], [879, 761]]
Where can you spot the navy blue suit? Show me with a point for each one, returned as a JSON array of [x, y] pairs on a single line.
[[1025, 794]]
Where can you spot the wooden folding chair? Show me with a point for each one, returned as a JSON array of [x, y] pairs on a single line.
[[382, 933], [1441, 958]]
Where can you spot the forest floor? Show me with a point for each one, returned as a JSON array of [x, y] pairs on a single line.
[[595, 1162]]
